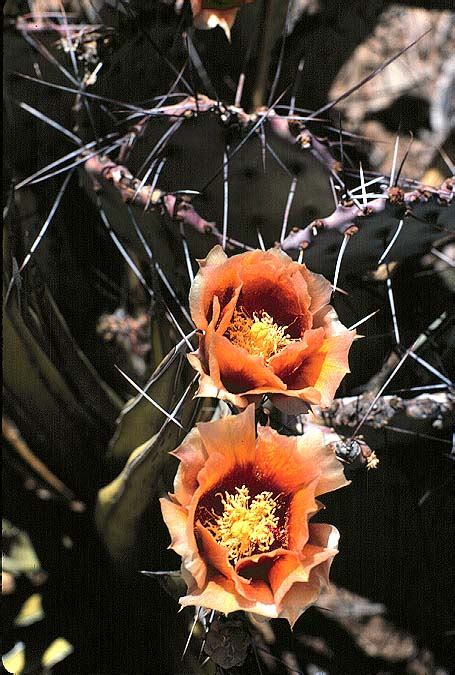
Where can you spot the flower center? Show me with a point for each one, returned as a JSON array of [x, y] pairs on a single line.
[[260, 335], [244, 528]]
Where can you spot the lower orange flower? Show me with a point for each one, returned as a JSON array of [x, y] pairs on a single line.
[[239, 517]]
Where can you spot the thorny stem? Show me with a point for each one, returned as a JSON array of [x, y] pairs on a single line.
[[344, 216], [178, 206]]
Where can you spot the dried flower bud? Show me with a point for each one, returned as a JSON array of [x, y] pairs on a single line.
[[227, 642], [396, 195], [356, 453]]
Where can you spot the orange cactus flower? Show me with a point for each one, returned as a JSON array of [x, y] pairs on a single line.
[[267, 328], [239, 517], [211, 13]]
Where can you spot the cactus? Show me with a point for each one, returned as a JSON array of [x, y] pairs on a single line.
[[134, 145]]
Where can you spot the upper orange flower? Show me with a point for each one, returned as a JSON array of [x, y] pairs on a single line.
[[212, 13], [268, 329], [239, 517]]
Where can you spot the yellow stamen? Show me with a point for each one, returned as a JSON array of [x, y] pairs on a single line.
[[244, 528], [259, 335]]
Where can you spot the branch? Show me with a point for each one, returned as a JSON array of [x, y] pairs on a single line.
[[178, 205], [343, 218]]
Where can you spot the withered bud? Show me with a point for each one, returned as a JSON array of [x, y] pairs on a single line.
[[227, 642], [396, 195], [356, 453], [304, 139]]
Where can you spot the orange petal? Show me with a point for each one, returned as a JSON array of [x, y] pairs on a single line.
[[207, 389], [207, 342], [317, 558], [327, 536], [324, 367], [273, 284], [278, 461], [241, 372], [192, 456], [232, 437], [258, 565], [213, 553], [300, 596], [319, 288], [321, 458], [293, 462], [291, 569], [255, 590], [289, 365], [183, 541], [228, 311], [327, 318], [211, 18], [303, 505], [220, 594], [290, 359], [217, 276], [207, 386], [205, 363], [211, 474]]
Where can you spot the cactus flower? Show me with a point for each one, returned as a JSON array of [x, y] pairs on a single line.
[[212, 13], [266, 328], [239, 517]]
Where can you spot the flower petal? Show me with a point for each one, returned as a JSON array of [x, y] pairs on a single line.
[[183, 541], [319, 288], [290, 359], [279, 461], [258, 565], [241, 372], [220, 594], [327, 536], [192, 456], [303, 505], [211, 18], [215, 554], [232, 437], [324, 367], [320, 458], [304, 582], [228, 311], [217, 276], [255, 589], [291, 569], [204, 361], [300, 596], [278, 288]]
